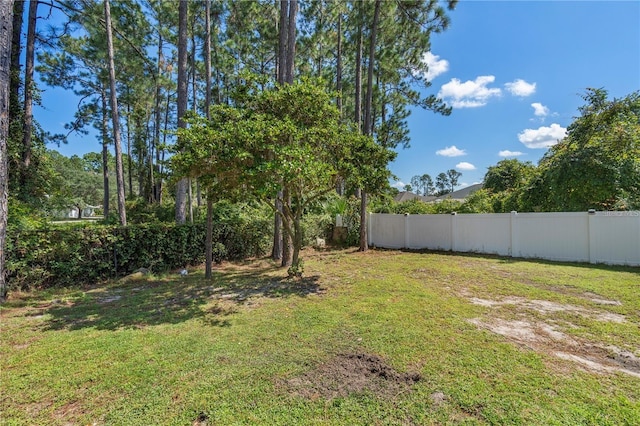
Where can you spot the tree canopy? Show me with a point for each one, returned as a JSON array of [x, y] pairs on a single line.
[[289, 137], [597, 165]]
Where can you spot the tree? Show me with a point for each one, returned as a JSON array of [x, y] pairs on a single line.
[[181, 189], [426, 184], [28, 89], [16, 49], [74, 184], [114, 114], [290, 139], [423, 184], [510, 174], [597, 165], [6, 22], [207, 111], [442, 184], [368, 118], [503, 184], [453, 175]]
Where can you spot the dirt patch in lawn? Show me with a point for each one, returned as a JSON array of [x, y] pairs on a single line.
[[352, 373], [546, 335]]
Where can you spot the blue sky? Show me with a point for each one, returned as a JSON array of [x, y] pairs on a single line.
[[514, 72]]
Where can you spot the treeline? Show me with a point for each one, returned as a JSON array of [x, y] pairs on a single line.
[[224, 44], [444, 183], [596, 166], [141, 67]]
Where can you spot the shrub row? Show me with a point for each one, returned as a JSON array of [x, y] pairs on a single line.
[[73, 255]]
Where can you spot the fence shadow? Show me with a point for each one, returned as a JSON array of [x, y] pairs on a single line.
[[508, 260], [146, 302]]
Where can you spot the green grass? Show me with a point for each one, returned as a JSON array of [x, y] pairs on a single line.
[[171, 350]]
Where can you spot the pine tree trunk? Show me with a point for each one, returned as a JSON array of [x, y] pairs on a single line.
[[114, 114], [16, 50], [368, 121], [289, 72], [28, 89], [286, 235], [209, 236], [207, 108], [357, 118], [129, 165], [282, 40], [207, 58], [291, 41], [358, 89], [6, 22], [105, 156], [194, 107], [276, 253], [339, 64], [190, 199], [158, 117], [182, 186]]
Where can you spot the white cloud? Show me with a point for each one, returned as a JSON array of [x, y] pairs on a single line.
[[399, 184], [465, 166], [469, 94], [540, 110], [436, 66], [507, 153], [451, 151], [521, 88], [542, 137]]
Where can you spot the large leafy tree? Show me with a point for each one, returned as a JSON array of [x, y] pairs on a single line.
[[597, 165], [504, 182], [75, 183], [290, 139], [507, 175]]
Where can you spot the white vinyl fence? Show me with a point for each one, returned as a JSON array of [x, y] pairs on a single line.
[[594, 237]]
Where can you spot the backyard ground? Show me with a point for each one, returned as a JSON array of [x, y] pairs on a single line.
[[383, 337]]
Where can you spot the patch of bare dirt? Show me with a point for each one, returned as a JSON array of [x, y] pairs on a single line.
[[545, 336], [68, 411], [548, 307], [352, 373]]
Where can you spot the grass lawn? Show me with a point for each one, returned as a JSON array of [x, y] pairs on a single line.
[[383, 337]]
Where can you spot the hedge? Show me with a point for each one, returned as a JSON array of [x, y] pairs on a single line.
[[76, 255]]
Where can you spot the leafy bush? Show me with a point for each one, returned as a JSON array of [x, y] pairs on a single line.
[[140, 211], [351, 219], [73, 254], [316, 226]]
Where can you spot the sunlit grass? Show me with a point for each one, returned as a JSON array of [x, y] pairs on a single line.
[[173, 350]]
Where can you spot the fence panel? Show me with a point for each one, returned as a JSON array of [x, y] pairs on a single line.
[[615, 237], [429, 232], [602, 237], [387, 230], [553, 236], [482, 233]]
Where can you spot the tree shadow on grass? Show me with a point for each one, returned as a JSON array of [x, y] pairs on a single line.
[[145, 302]]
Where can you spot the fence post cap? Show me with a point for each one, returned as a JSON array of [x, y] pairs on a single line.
[[514, 212]]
